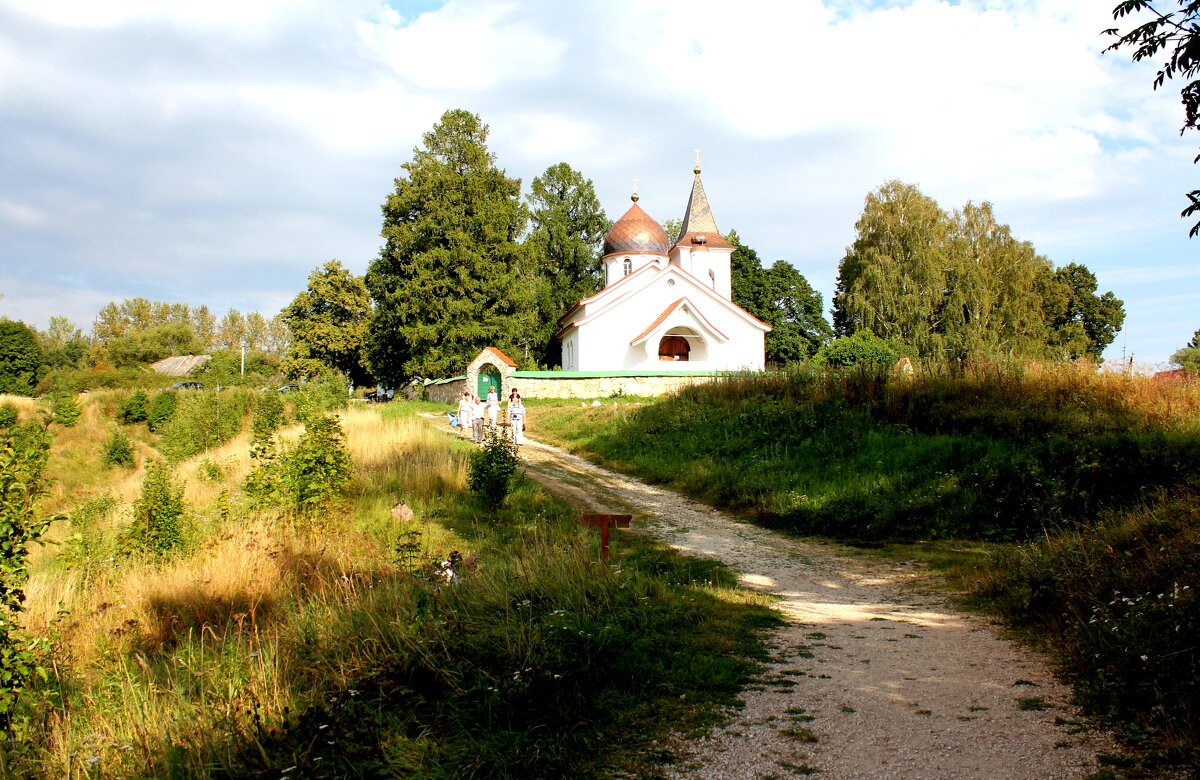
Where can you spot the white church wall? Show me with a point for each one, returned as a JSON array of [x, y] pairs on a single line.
[[603, 343]]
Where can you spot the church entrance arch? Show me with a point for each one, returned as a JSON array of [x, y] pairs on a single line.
[[682, 344], [673, 348]]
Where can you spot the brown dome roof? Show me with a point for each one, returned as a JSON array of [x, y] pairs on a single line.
[[637, 233]]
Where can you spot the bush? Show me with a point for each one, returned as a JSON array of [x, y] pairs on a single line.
[[132, 408], [162, 409], [158, 514], [268, 415], [8, 414], [118, 450], [319, 466], [202, 421], [305, 477], [23, 455], [66, 409], [863, 349], [492, 469], [322, 395]]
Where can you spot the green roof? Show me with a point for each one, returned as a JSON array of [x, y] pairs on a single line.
[[610, 374]]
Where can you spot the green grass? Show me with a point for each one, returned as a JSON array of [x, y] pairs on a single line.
[[865, 458], [1065, 502]]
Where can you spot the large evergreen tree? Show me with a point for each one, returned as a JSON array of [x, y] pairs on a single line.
[[568, 229], [451, 277], [781, 297], [328, 325]]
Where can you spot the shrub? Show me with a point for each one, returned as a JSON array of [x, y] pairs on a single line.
[[162, 409], [8, 414], [322, 395], [863, 349], [268, 415], [202, 421], [66, 409], [319, 466], [23, 455], [132, 408], [492, 469], [118, 450], [158, 514], [305, 477]]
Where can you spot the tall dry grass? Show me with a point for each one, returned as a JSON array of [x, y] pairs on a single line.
[[156, 651]]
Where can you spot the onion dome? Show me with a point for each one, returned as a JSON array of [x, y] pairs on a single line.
[[636, 233]]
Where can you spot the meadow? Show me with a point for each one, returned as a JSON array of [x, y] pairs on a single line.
[[209, 608], [1061, 500]]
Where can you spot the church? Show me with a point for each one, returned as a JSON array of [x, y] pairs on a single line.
[[664, 320], [664, 305]]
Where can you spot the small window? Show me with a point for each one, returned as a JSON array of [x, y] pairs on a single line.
[[673, 348], [628, 266]]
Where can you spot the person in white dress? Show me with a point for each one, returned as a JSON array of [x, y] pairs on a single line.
[[493, 406], [465, 407]]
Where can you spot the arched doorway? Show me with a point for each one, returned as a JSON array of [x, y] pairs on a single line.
[[674, 348], [489, 378]]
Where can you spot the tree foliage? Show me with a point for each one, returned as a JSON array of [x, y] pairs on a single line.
[[1080, 323], [451, 277], [959, 286], [1189, 355], [328, 322], [24, 451], [1174, 35], [781, 297], [568, 229], [21, 358], [63, 344]]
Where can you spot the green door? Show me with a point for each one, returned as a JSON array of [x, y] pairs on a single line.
[[488, 379]]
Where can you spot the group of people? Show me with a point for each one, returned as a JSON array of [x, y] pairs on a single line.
[[472, 412]]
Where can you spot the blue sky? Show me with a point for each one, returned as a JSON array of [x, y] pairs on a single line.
[[218, 152]]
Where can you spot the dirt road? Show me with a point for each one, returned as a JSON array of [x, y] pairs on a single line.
[[874, 675]]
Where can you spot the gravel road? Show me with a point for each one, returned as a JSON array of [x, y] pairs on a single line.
[[874, 675]]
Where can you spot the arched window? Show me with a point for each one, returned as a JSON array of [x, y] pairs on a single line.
[[673, 348], [628, 266]]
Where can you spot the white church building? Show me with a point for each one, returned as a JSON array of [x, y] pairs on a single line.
[[663, 320], [665, 305]]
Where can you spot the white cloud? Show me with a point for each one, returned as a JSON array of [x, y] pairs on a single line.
[[22, 214], [462, 46]]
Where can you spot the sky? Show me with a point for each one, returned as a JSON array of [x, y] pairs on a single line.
[[217, 153]]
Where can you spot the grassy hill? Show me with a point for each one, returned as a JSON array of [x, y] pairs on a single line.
[[188, 626], [1077, 492]]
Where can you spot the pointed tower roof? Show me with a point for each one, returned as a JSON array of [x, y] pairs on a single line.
[[636, 233], [699, 229]]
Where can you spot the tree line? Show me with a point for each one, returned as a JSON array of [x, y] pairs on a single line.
[[467, 262]]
